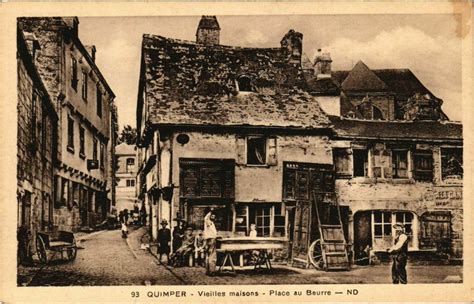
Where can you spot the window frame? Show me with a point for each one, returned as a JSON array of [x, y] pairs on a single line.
[[94, 148], [338, 155], [84, 86], [423, 175], [74, 79], [443, 160], [82, 142], [265, 150], [248, 85], [99, 101], [102, 156], [396, 163], [365, 163], [70, 133]]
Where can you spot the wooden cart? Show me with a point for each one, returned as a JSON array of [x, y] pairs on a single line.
[[330, 250], [55, 242]]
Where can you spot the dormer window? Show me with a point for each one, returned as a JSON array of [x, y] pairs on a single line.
[[244, 84]]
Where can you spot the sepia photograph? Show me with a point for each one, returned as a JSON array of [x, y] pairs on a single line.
[[239, 150]]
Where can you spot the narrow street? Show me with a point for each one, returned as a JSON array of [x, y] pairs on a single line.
[[107, 259]]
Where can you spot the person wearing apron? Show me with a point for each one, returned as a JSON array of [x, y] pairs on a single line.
[[399, 253]]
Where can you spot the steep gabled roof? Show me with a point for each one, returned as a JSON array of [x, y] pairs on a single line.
[[402, 82], [361, 78], [193, 84]]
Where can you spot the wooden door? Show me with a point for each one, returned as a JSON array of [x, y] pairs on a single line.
[[301, 231]]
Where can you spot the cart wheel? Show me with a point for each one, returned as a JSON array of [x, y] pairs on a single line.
[[72, 252], [41, 250], [315, 255]]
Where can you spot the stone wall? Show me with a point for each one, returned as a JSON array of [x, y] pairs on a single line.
[[406, 196]]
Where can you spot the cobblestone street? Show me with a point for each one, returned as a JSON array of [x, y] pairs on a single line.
[[107, 259]]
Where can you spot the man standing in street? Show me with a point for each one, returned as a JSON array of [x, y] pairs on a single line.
[[210, 235], [399, 251], [164, 241]]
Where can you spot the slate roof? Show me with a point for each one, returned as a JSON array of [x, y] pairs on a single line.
[[324, 86], [361, 78], [194, 84], [402, 82], [398, 130]]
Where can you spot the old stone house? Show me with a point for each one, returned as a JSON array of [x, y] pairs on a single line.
[[400, 171], [254, 131], [83, 182], [36, 140], [217, 127]]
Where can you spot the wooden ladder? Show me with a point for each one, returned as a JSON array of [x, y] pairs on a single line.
[[333, 243]]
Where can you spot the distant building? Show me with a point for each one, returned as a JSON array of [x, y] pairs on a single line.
[[126, 176], [86, 127]]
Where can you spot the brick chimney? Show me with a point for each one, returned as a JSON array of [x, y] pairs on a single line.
[[322, 65], [293, 43], [208, 31]]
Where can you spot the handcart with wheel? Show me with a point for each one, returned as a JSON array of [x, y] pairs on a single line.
[[50, 243]]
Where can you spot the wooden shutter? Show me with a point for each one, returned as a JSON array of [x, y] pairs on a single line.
[[240, 148], [272, 151], [436, 231]]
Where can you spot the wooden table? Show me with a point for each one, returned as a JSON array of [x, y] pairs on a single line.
[[240, 244]]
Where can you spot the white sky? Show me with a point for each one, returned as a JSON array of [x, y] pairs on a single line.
[[426, 44]]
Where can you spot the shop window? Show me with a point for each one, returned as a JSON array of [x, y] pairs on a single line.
[[342, 161], [382, 224], [400, 163], [256, 150], [451, 163], [70, 134], [241, 220], [360, 162], [423, 165], [81, 142], [261, 217], [383, 233], [406, 219], [279, 220]]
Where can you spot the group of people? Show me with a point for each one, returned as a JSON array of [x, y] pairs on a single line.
[[136, 216], [186, 243], [202, 246]]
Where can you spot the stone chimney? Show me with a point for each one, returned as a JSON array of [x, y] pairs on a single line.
[[73, 24], [91, 50], [293, 43], [208, 31], [322, 65]]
